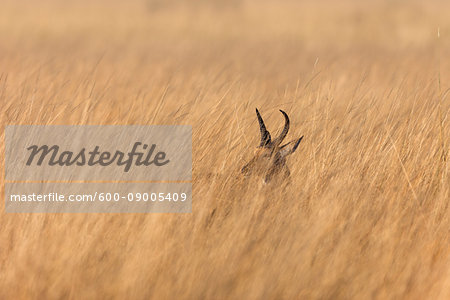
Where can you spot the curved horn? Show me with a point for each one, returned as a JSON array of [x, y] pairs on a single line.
[[265, 135], [283, 134]]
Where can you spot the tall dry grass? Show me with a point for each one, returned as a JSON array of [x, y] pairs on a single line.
[[367, 213]]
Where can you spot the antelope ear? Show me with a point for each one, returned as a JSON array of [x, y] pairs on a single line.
[[290, 147]]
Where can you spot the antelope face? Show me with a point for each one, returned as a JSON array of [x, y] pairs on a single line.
[[269, 160]]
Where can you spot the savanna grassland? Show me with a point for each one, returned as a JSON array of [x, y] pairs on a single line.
[[366, 215]]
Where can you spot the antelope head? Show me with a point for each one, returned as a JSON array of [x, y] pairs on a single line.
[[270, 156]]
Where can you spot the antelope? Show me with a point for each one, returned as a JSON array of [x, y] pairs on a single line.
[[269, 160]]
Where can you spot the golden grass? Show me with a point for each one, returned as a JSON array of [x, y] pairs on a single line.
[[367, 214]]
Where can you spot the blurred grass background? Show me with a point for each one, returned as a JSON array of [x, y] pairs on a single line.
[[366, 82]]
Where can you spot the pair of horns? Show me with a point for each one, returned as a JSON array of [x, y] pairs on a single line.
[[266, 140]]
